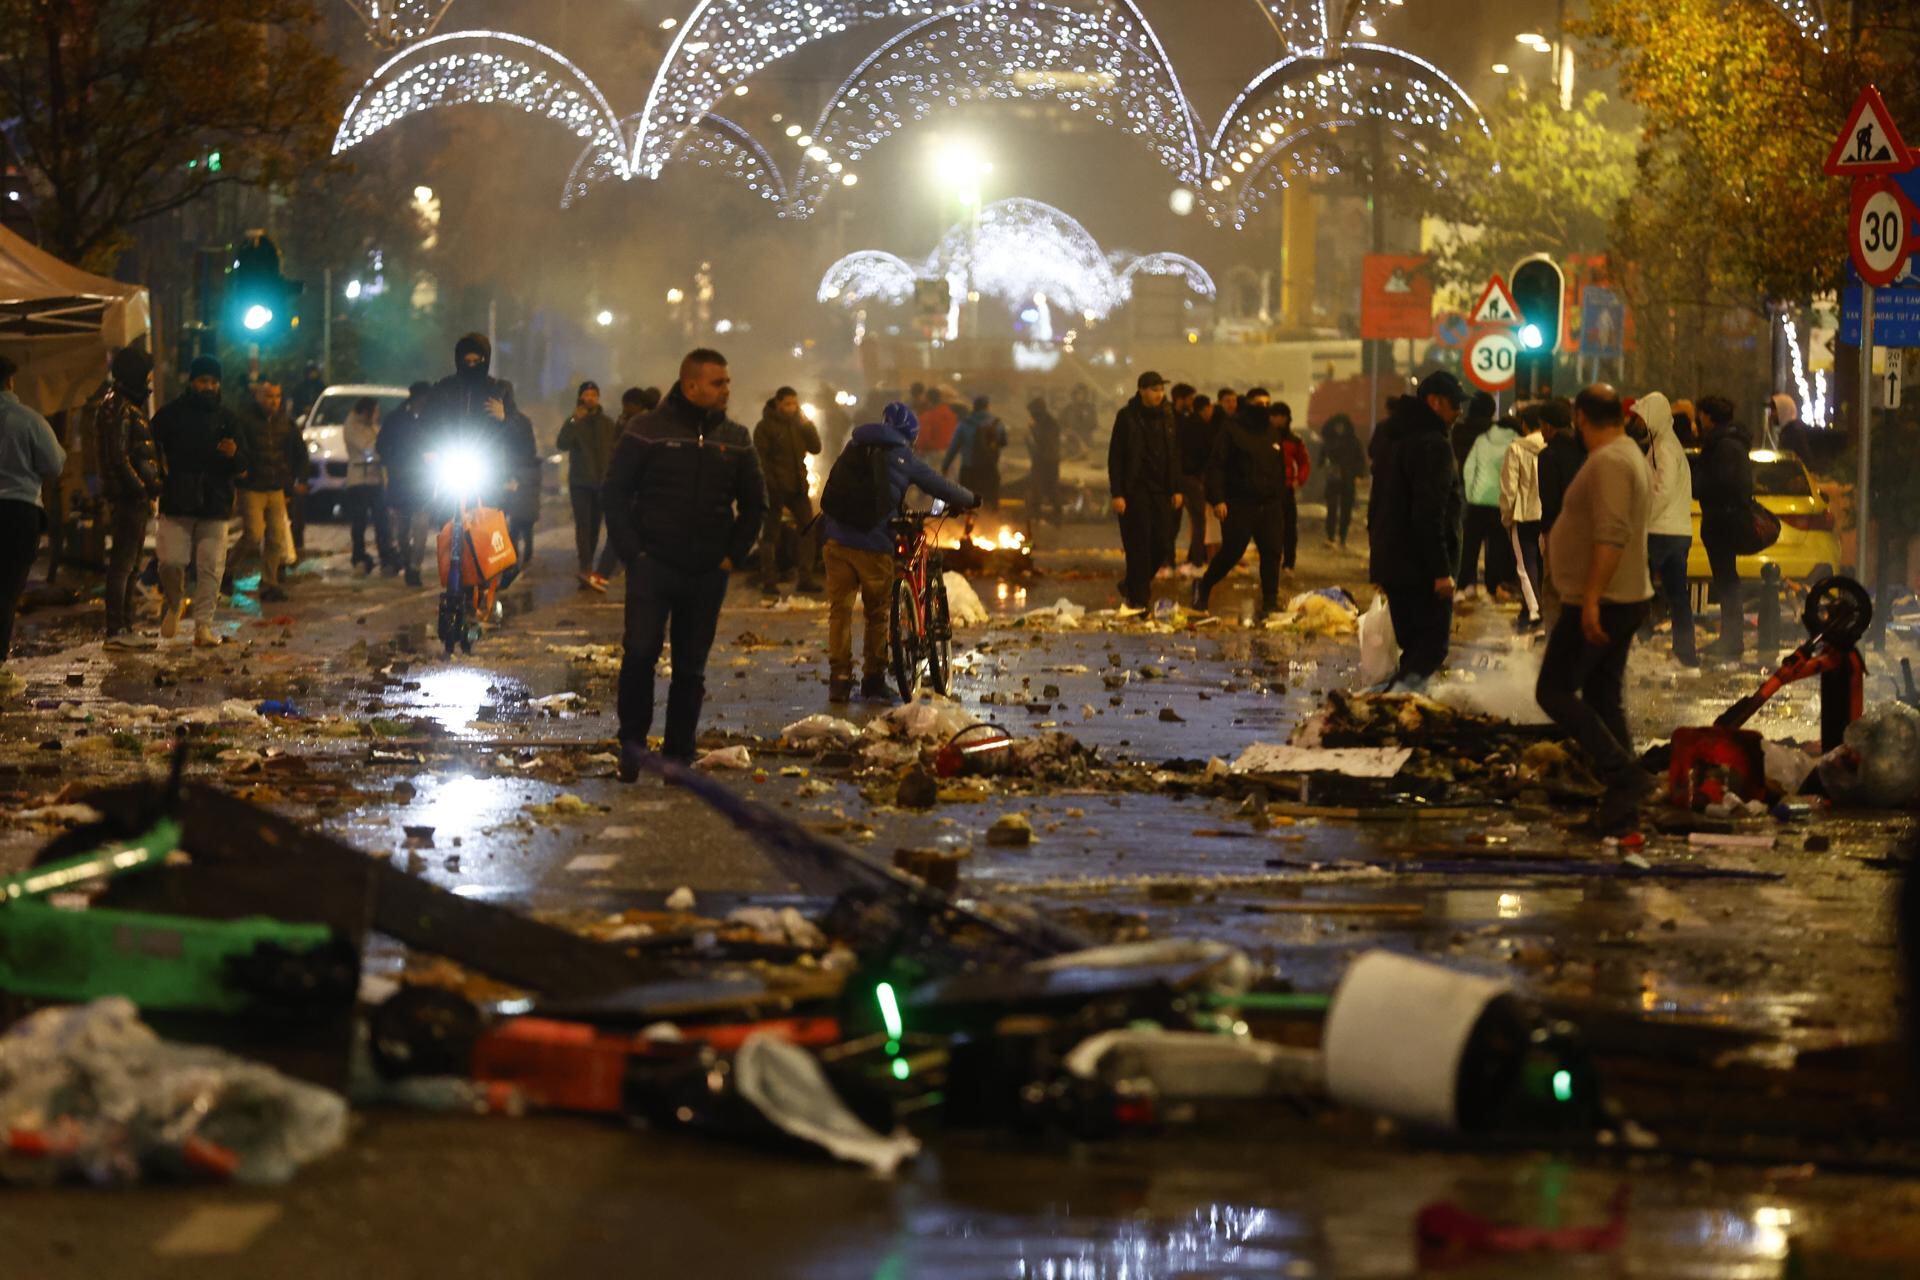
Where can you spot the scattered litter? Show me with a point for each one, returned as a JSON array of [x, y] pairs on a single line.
[[928, 716], [1730, 840], [725, 758], [681, 899], [599, 657], [1447, 1235], [90, 1092], [1327, 612], [785, 925], [1879, 765], [566, 805], [1010, 830], [820, 730], [231, 711], [786, 1085], [798, 604], [59, 815], [588, 862], [1350, 762], [964, 608], [1063, 614], [553, 701]]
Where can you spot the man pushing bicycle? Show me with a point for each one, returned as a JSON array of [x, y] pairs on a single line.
[[868, 483]]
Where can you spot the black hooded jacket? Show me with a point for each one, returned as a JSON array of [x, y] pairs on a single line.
[[684, 487], [456, 410], [1142, 458], [198, 478], [276, 452], [1249, 462], [1413, 518], [1723, 485], [1043, 439]]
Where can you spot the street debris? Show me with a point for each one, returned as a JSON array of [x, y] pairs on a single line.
[[964, 608], [735, 757], [1010, 830], [90, 1093], [1349, 762]]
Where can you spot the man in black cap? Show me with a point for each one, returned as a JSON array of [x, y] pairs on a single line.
[[1143, 475], [202, 452], [1414, 525], [129, 469]]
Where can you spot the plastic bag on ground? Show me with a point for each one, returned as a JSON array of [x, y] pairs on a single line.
[[821, 730], [786, 1086], [1379, 651], [1062, 613], [725, 758], [1879, 765], [963, 603], [1787, 768], [928, 716], [90, 1091]]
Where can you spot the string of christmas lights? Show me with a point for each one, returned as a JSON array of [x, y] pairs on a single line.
[[1092, 56], [392, 23], [1324, 24], [716, 143], [1313, 114], [1019, 249], [724, 43], [483, 67], [1809, 17]]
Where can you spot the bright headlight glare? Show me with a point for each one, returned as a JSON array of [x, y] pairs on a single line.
[[462, 471]]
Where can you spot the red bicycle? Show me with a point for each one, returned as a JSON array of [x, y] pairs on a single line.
[[921, 639]]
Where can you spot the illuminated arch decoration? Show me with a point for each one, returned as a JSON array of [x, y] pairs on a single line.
[[1312, 114], [869, 275], [392, 23], [724, 43], [483, 67], [1020, 248], [715, 143], [1094, 56]]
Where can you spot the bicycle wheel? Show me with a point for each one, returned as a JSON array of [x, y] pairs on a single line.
[[905, 643], [939, 638]]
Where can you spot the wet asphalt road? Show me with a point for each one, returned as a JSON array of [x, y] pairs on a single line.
[[1803, 960]]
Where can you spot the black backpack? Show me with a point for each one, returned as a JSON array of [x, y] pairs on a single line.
[[859, 492]]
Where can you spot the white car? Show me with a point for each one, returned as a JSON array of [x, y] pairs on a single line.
[[323, 429]]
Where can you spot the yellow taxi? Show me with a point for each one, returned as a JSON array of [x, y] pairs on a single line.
[[1808, 547]]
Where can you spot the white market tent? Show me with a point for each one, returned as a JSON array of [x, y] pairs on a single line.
[[60, 324]]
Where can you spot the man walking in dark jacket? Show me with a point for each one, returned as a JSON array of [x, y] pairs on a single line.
[[588, 437], [129, 481], [1723, 486], [1414, 525], [1195, 428], [274, 453], [1043, 461], [785, 439], [1246, 486], [403, 449], [199, 442], [1342, 460], [473, 409], [1560, 460], [684, 503], [1143, 475]]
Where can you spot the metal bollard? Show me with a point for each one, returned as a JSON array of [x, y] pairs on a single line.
[[1769, 631]]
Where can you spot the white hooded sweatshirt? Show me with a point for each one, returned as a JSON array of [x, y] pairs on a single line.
[[1520, 480], [1672, 511]]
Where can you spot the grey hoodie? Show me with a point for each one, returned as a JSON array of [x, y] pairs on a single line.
[[1672, 510]]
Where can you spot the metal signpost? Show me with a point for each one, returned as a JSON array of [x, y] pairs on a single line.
[[1869, 151]]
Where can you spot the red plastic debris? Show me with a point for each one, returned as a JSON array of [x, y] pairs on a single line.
[[1446, 1235]]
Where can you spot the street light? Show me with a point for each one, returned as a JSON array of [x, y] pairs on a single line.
[[676, 296], [604, 319], [354, 290]]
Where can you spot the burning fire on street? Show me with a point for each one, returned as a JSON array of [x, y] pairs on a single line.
[[1004, 553]]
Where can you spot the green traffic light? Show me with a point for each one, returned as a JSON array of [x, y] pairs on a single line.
[[889, 1010], [1563, 1085]]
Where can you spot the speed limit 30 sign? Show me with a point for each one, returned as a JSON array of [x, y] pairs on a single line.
[[1880, 231], [1491, 359]]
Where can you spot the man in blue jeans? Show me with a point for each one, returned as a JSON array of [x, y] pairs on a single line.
[[684, 501], [1670, 526]]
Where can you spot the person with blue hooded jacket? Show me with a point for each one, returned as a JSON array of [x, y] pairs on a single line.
[[860, 558]]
